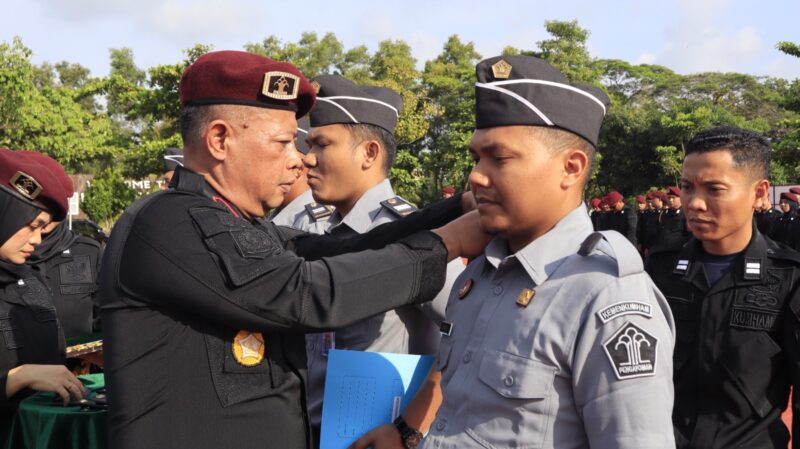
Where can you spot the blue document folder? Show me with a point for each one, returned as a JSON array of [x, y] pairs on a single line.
[[364, 390]]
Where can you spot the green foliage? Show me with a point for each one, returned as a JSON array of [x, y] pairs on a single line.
[[47, 117], [119, 125], [790, 48], [107, 197]]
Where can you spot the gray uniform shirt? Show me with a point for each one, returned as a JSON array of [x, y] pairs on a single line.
[[413, 329], [296, 216], [586, 363]]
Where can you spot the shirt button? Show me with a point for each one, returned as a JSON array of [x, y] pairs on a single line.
[[467, 357], [497, 290], [440, 425], [508, 381], [310, 346]]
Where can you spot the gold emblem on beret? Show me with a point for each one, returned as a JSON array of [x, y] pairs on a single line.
[[525, 297], [26, 185], [280, 85], [248, 348], [465, 289], [501, 70], [316, 86]]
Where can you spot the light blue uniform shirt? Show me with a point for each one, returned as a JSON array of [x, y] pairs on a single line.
[[587, 363]]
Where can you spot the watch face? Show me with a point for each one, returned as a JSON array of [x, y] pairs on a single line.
[[413, 440]]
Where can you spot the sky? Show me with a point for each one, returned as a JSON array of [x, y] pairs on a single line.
[[688, 36]]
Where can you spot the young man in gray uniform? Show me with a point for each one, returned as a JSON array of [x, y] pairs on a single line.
[[555, 337], [352, 149], [299, 210]]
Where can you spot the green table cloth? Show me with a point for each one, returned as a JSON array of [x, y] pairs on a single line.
[[42, 423]]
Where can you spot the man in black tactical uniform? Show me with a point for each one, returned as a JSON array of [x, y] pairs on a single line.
[[734, 295], [204, 305], [621, 218]]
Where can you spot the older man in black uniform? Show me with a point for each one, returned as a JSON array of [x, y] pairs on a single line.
[[736, 301], [204, 305]]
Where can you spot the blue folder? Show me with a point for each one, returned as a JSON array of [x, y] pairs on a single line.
[[364, 390]]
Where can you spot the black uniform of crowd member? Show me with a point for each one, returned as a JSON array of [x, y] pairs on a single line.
[[204, 308], [735, 297], [673, 229], [785, 229], [648, 224], [767, 219], [620, 218], [31, 342], [68, 263]]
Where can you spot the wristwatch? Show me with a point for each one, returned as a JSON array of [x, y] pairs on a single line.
[[410, 436]]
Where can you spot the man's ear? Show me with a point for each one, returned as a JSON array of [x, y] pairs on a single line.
[[575, 167], [218, 136], [761, 189], [371, 152]]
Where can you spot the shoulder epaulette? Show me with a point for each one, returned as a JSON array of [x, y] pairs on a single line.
[[616, 246], [319, 211], [399, 206], [781, 251]]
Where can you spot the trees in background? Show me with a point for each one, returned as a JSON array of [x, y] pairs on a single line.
[[118, 125]]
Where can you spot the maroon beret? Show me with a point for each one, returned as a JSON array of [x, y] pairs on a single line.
[[795, 190], [640, 199], [595, 202], [660, 195], [56, 168], [789, 196], [237, 77], [674, 191], [31, 181], [649, 195], [614, 197], [448, 189]]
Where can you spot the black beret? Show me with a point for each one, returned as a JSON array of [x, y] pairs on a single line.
[[523, 90], [237, 77], [302, 133], [173, 158], [339, 100], [27, 179]]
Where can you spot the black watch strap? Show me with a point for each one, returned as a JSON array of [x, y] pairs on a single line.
[[410, 436]]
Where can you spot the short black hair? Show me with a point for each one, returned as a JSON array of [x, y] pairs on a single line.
[[748, 148], [362, 132], [559, 140]]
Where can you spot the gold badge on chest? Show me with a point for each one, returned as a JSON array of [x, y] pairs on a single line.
[[248, 348], [525, 297]]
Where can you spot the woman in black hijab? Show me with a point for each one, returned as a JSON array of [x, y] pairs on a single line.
[[31, 340]]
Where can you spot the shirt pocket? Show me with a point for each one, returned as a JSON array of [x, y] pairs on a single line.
[[750, 368], [233, 381], [511, 405]]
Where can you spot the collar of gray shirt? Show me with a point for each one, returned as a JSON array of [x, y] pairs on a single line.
[[366, 209], [287, 215], [541, 257]]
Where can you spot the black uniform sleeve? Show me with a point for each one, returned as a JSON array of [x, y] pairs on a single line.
[[232, 272], [313, 247], [792, 343]]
